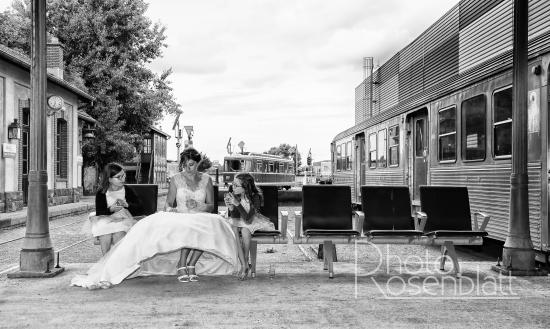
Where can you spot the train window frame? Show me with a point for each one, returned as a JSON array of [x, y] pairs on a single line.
[[463, 127], [348, 155], [339, 157], [391, 146], [258, 165], [382, 163], [281, 167], [270, 167], [502, 122], [371, 150], [439, 135]]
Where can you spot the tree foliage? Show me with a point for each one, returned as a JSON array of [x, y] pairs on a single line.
[[107, 46], [287, 151]]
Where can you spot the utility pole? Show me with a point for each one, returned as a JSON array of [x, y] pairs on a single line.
[[518, 256], [37, 256]]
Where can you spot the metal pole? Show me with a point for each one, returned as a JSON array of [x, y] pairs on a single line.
[[518, 255], [37, 256]]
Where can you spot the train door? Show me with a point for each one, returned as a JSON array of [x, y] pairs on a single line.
[[359, 165], [24, 105], [418, 150]]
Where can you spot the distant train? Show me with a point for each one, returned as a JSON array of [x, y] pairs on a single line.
[[439, 112], [266, 169]]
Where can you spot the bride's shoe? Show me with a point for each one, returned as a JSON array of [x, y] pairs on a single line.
[[184, 277], [193, 277]]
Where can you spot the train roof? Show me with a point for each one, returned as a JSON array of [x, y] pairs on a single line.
[[470, 42], [257, 156]]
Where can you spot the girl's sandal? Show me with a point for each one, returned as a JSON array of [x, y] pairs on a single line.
[[193, 277], [184, 277]]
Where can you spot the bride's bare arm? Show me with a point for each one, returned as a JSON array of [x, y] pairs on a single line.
[[209, 203], [171, 197]]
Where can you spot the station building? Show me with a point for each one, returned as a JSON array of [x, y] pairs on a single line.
[[64, 135]]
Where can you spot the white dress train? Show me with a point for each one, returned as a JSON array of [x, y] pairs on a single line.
[[153, 245]]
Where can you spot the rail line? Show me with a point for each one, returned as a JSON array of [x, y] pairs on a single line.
[[51, 230]]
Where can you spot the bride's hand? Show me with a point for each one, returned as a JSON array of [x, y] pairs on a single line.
[[191, 204]]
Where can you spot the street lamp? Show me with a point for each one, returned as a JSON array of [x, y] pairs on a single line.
[[189, 131]]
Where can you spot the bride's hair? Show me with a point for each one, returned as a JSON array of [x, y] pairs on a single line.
[[250, 188], [189, 154], [109, 171]]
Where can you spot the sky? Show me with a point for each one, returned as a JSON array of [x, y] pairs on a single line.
[[267, 72]]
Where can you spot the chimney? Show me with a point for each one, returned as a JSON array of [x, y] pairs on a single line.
[[54, 55]]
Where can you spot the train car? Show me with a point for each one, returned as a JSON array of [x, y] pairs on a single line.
[[439, 112], [267, 169]]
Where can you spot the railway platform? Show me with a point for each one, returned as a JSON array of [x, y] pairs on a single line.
[[397, 286]]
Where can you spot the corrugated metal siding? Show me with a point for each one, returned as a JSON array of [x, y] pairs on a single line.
[[441, 30], [376, 93], [389, 69], [471, 10], [476, 47], [411, 81], [489, 191], [411, 54], [442, 62], [389, 176], [539, 13], [360, 105], [389, 93]]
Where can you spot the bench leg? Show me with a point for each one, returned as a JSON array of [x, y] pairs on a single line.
[[443, 258], [328, 249], [454, 257], [253, 256]]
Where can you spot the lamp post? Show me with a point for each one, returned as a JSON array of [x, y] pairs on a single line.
[[37, 257], [518, 255]]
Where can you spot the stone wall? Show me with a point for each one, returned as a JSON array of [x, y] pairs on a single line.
[[13, 201]]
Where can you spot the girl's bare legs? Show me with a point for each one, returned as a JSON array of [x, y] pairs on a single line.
[[240, 251], [195, 255], [118, 236], [247, 237], [105, 242]]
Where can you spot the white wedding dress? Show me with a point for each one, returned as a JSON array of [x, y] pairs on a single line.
[[152, 246]]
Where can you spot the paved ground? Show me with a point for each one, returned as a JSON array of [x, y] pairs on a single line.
[[409, 292]]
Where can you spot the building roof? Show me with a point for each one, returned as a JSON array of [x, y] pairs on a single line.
[[160, 132], [25, 62], [85, 116]]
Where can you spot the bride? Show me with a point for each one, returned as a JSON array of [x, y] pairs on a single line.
[[185, 239]]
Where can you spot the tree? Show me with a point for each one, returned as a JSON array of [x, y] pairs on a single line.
[[287, 151], [107, 45]]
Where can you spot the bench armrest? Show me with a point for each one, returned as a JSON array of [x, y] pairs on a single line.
[[486, 219], [420, 220], [297, 224], [358, 220], [283, 225]]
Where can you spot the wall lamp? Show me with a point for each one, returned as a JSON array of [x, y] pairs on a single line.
[[14, 130]]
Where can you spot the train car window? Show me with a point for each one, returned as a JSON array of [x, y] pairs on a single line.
[[447, 134], [382, 162], [474, 118], [339, 157], [271, 167], [393, 155], [233, 165], [533, 126], [372, 150], [281, 167], [502, 124], [348, 156], [258, 166]]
